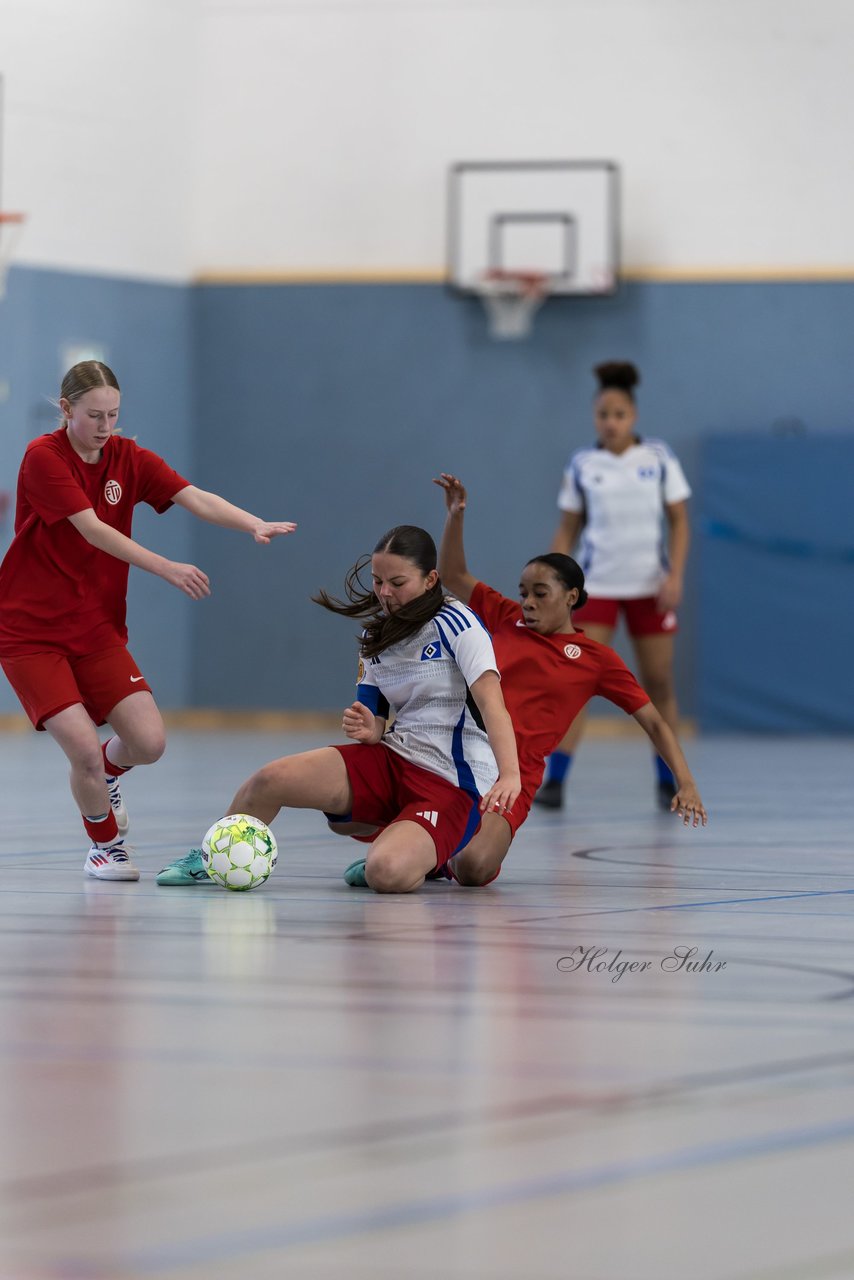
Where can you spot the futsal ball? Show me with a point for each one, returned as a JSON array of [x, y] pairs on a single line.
[[239, 851]]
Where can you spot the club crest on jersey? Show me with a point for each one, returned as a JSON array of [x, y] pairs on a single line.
[[647, 473], [431, 651], [113, 492], [572, 650]]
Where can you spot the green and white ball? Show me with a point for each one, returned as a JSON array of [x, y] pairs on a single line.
[[239, 851]]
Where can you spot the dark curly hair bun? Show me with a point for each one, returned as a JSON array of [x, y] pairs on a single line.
[[618, 374]]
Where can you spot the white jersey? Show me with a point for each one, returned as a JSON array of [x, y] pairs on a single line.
[[426, 681], [623, 550]]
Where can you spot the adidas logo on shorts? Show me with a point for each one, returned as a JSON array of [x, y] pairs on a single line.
[[429, 815]]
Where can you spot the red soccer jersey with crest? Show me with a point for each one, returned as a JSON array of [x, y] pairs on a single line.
[[546, 680], [57, 591]]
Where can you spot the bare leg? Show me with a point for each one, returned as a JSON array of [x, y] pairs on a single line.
[[74, 732], [655, 664], [311, 780], [481, 859], [140, 734], [400, 858]]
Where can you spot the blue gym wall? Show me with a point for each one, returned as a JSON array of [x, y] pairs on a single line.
[[334, 405]]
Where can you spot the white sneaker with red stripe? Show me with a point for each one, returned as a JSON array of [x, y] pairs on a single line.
[[110, 862]]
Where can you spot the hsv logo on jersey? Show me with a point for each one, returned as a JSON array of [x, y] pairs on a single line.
[[430, 651], [647, 473], [113, 492], [572, 650]]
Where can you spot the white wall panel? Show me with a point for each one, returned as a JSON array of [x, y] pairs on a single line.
[[96, 132], [727, 119], [161, 138]]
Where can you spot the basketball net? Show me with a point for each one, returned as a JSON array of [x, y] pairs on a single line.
[[512, 299]]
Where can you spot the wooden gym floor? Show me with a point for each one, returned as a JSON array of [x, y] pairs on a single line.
[[315, 1082]]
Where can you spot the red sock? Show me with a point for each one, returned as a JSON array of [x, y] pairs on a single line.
[[110, 769], [102, 830]]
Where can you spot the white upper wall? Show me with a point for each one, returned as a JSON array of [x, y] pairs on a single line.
[[96, 132], [315, 135]]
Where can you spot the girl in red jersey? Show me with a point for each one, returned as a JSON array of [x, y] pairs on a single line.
[[549, 671], [63, 588]]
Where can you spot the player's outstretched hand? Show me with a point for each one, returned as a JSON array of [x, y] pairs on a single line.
[[455, 492], [360, 724], [689, 806], [502, 795], [266, 530], [187, 578]]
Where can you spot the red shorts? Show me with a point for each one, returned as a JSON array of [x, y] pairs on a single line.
[[46, 683], [522, 803], [387, 788], [643, 617]]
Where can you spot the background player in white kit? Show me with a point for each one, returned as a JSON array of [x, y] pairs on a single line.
[[427, 779], [626, 498]]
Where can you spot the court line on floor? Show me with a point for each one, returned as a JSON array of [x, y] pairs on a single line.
[[218, 1247], [375, 1134]]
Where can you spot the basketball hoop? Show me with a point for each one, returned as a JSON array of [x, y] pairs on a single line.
[[11, 225], [512, 299]]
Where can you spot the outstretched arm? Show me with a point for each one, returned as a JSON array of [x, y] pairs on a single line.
[[216, 510], [186, 577], [686, 802], [452, 556], [486, 692]]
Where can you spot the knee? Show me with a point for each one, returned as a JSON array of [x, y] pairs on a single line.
[[89, 763], [480, 861], [386, 873], [259, 790], [148, 748], [475, 872]]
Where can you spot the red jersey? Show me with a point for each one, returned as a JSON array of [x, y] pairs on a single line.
[[546, 680], [57, 591]]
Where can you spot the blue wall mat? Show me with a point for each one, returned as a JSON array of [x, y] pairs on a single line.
[[776, 621]]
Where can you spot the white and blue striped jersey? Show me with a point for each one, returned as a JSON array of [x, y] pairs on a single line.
[[426, 681], [623, 548]]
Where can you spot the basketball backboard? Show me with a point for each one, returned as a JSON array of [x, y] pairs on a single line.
[[555, 218]]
